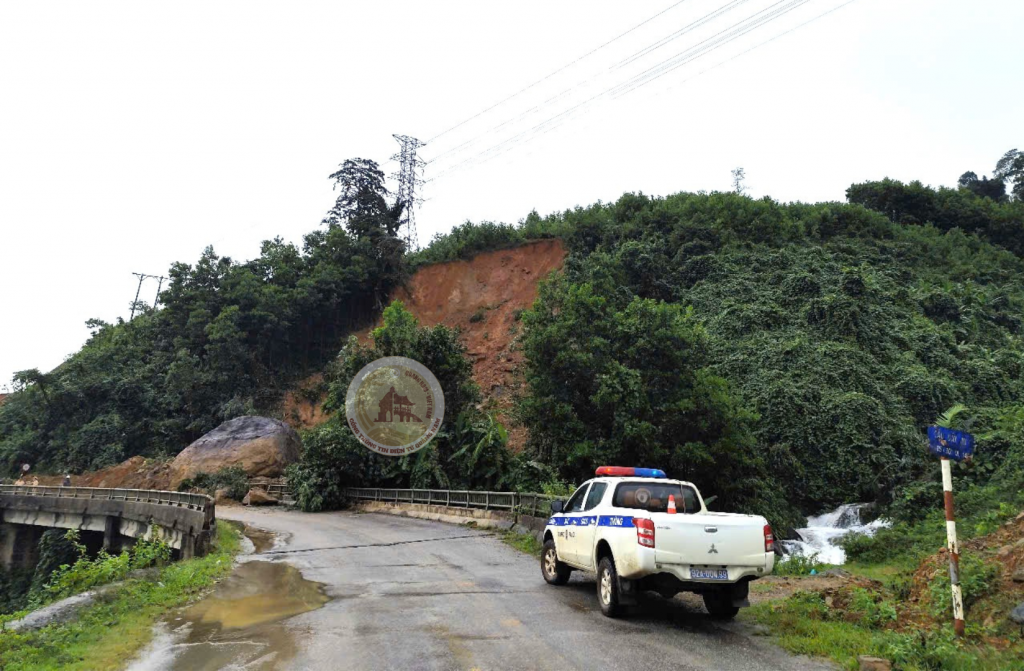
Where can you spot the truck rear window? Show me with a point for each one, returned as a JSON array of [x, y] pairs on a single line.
[[653, 496]]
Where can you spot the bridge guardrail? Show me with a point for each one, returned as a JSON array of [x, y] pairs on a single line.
[[179, 499], [536, 505]]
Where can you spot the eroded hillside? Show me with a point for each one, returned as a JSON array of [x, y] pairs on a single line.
[[483, 297]]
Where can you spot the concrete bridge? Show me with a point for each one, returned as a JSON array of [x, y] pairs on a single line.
[[108, 518]]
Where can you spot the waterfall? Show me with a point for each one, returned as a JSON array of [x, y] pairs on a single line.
[[823, 532]]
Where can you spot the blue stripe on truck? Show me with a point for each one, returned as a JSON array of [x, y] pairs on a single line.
[[591, 520]]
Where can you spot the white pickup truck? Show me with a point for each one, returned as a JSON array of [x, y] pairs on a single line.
[[640, 531]]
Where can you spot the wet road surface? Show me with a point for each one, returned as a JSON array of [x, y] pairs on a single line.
[[413, 594]]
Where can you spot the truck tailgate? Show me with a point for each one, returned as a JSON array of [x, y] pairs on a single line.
[[709, 539]]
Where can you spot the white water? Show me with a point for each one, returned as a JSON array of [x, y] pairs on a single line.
[[823, 531]]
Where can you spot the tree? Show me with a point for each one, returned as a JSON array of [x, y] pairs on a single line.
[[738, 175], [629, 384], [1011, 168], [362, 204], [470, 450], [362, 207], [983, 187]]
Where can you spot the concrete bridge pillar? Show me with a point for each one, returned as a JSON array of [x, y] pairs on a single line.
[[8, 539], [19, 545], [112, 534]]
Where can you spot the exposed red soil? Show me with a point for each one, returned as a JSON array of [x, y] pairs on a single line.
[[302, 407], [3, 398], [135, 473], [483, 297], [1003, 547]]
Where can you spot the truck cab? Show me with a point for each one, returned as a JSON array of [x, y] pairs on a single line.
[[639, 530]]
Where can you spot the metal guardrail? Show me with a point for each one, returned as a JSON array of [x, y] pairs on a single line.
[[536, 505], [177, 499]]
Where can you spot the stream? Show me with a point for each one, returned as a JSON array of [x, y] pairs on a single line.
[[823, 532]]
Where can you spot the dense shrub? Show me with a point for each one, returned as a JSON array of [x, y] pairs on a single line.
[[232, 478], [470, 451]]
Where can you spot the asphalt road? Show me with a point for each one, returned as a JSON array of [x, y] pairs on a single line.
[[413, 594]]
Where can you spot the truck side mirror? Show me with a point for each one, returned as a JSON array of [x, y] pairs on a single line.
[[709, 500], [556, 506]]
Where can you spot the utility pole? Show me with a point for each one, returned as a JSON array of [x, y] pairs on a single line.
[[142, 278], [409, 168], [159, 286]]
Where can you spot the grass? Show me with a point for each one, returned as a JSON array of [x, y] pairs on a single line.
[[527, 543], [804, 624], [109, 633]]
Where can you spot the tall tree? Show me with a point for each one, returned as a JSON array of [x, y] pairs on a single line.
[[363, 208], [1011, 168], [983, 187]]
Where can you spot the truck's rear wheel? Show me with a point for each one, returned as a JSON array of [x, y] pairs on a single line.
[[608, 588], [719, 604], [555, 572]]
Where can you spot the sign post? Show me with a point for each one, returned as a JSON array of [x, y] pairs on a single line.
[[949, 444]]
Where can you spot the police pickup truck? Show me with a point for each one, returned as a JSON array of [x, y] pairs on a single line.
[[640, 531]]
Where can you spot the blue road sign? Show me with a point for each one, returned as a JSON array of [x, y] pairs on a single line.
[[955, 445]]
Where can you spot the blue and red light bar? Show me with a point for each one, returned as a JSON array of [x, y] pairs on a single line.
[[627, 471]]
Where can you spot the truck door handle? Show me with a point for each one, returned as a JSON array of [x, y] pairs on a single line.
[[711, 530]]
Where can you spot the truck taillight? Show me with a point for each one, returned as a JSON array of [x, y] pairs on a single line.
[[644, 532], [769, 539]]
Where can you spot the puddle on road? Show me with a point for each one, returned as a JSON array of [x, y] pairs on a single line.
[[261, 540], [240, 625]]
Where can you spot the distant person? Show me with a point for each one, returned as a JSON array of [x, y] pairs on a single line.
[[35, 481], [67, 480], [20, 482]]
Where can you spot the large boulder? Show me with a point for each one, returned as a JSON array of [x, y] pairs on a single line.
[[260, 445]]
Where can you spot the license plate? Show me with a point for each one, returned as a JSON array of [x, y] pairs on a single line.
[[708, 574]]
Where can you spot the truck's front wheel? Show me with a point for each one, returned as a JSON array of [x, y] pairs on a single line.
[[719, 604], [555, 572], [608, 588]]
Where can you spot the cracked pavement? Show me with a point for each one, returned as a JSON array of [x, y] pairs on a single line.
[[414, 594]]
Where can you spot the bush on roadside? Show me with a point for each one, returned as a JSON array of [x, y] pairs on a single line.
[[232, 478], [798, 565], [106, 568]]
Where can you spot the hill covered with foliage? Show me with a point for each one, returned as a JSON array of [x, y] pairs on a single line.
[[229, 338], [786, 356]]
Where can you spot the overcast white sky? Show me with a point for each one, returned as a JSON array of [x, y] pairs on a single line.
[[134, 134]]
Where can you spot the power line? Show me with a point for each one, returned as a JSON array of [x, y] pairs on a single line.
[[717, 40], [761, 44], [693, 53], [755, 18], [679, 33], [613, 89], [684, 30], [552, 74]]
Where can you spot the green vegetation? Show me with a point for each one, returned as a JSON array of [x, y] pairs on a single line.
[[232, 478], [806, 624], [24, 586], [787, 357], [835, 337], [799, 565], [112, 630], [105, 568], [470, 451], [229, 339], [527, 543], [466, 241]]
